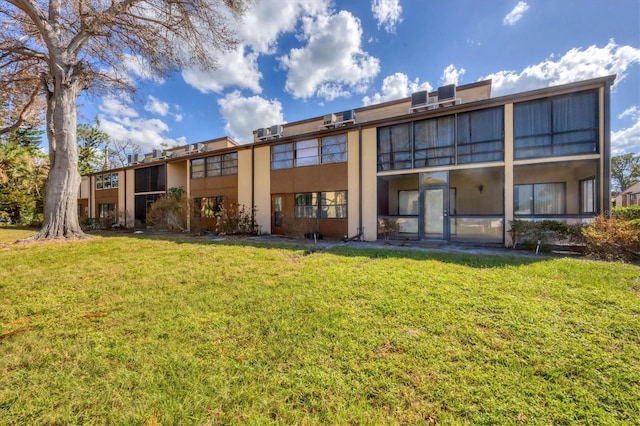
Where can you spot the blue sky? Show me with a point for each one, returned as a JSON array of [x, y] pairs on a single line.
[[304, 58]]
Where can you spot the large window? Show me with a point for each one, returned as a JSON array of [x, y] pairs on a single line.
[[207, 207], [480, 136], [434, 142], [107, 181], [150, 179], [218, 165], [309, 152], [562, 125], [394, 147], [321, 205], [539, 199], [470, 137]]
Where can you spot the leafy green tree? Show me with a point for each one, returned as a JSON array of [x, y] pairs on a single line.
[[23, 172], [92, 145], [625, 171]]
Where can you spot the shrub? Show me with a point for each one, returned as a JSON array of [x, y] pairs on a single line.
[[237, 219], [626, 213], [613, 239], [169, 212], [528, 233]]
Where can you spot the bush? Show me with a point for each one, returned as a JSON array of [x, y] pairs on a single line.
[[237, 219], [528, 233], [169, 212], [626, 213], [613, 239]]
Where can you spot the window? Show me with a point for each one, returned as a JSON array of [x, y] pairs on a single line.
[[105, 210], [394, 147], [229, 164], [434, 142], [562, 125], [333, 149], [107, 181], [587, 195], [282, 156], [408, 202], [207, 207], [197, 168], [480, 136], [321, 205], [218, 165], [539, 199], [307, 153], [150, 179]]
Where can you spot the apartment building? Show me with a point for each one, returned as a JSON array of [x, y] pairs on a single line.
[[455, 164]]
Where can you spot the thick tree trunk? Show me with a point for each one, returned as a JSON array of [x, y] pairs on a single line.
[[61, 203]]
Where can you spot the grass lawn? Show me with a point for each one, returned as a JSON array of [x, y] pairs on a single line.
[[139, 330]]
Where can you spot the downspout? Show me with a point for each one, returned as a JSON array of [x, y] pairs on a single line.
[[606, 155], [253, 203], [125, 198], [360, 230]]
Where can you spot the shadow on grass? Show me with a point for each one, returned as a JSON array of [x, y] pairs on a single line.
[[472, 256]]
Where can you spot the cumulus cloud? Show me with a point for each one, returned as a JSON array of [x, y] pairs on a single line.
[[516, 14], [632, 112], [387, 13], [396, 86], [123, 123], [626, 140], [236, 69], [244, 114], [575, 65], [156, 106], [266, 20], [451, 75], [332, 63]]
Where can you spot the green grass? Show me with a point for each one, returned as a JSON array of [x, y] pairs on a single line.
[[127, 330]]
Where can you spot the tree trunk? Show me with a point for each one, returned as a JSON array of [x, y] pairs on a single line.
[[63, 183]]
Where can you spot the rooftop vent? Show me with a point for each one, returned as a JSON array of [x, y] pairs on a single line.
[[266, 133], [342, 119]]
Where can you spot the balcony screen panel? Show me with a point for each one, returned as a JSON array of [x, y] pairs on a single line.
[[480, 136], [394, 147]]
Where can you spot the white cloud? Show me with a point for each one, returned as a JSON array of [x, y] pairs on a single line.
[[156, 106], [332, 63], [387, 13], [451, 75], [626, 140], [266, 20], [244, 115], [516, 14], [575, 65], [178, 118], [632, 112], [236, 69], [121, 122], [396, 86]]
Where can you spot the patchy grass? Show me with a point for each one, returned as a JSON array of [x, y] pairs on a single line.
[[127, 330], [11, 234]]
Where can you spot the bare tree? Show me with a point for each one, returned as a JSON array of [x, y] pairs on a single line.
[[57, 49], [117, 151]]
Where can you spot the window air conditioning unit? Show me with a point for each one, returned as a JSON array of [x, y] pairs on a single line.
[[329, 119], [275, 131], [156, 153], [447, 92], [419, 98], [135, 158], [349, 116], [262, 133], [197, 147], [168, 154]]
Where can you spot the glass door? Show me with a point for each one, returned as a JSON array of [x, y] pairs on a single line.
[[277, 220], [435, 213]]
